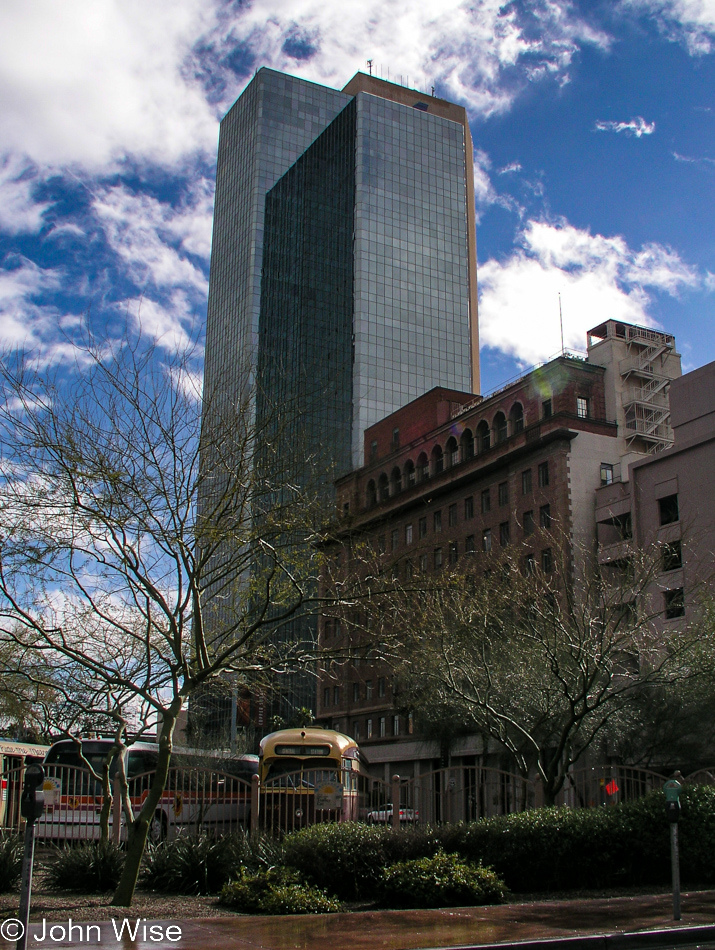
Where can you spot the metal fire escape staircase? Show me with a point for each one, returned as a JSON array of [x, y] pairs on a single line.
[[645, 393]]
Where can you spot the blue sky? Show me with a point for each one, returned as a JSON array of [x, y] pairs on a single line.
[[593, 125]]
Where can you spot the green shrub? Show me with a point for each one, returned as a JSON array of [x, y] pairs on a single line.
[[92, 867], [11, 851], [202, 864], [344, 859], [442, 880], [275, 891]]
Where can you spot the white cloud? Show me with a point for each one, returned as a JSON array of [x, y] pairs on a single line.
[[169, 322], [511, 167], [19, 212], [157, 240], [638, 127], [598, 277], [90, 83], [690, 22], [466, 49]]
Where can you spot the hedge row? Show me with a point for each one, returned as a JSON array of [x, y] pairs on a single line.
[[540, 850]]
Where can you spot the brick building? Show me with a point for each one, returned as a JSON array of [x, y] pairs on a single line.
[[451, 474]]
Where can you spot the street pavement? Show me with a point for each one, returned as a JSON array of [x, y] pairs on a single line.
[[620, 923]]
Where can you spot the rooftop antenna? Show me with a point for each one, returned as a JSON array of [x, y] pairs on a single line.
[[561, 321], [433, 90], [369, 65]]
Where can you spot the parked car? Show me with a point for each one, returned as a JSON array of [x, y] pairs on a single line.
[[383, 815]]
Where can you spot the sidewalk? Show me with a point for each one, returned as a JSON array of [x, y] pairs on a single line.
[[557, 923]]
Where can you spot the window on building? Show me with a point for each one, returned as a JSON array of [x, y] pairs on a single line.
[[356, 728], [528, 522], [395, 725], [487, 540], [546, 560], [503, 493], [546, 409], [326, 696], [437, 521], [543, 474], [469, 544], [582, 407], [486, 501], [672, 556], [409, 569], [395, 538], [368, 689], [423, 563], [422, 528], [395, 438], [368, 729], [469, 507], [438, 558], [545, 516], [526, 482], [504, 533], [373, 450], [452, 515], [381, 544], [668, 509], [395, 572], [356, 692], [381, 686], [382, 727], [606, 473], [408, 534], [674, 603], [529, 564], [336, 695], [453, 552]]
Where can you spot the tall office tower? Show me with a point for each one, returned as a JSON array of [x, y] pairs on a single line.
[[343, 268]]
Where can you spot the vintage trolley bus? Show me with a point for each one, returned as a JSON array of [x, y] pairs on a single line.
[[14, 756], [309, 775]]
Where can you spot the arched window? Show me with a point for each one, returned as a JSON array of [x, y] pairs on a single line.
[[437, 460], [409, 474], [483, 439], [371, 493], [452, 451], [516, 418], [467, 444], [396, 481], [383, 487], [500, 431], [422, 468]]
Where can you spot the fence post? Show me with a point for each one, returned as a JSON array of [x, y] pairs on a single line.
[[395, 791], [116, 811], [254, 803]]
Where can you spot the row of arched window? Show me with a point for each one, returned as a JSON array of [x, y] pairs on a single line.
[[469, 444]]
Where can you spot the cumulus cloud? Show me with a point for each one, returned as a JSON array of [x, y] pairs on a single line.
[[474, 53], [161, 245], [90, 83], [598, 277], [19, 211], [689, 22], [638, 127]]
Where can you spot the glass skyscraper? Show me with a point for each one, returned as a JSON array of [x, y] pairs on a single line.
[[343, 267], [344, 251]]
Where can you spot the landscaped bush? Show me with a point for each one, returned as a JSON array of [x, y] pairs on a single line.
[[275, 891], [202, 864], [345, 859], [92, 867], [11, 850], [443, 880]]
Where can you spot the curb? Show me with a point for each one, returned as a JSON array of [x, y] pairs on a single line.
[[637, 940]]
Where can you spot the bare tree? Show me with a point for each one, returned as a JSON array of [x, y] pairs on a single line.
[[130, 544], [543, 663]]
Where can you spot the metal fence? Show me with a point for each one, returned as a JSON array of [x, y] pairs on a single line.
[[206, 800]]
